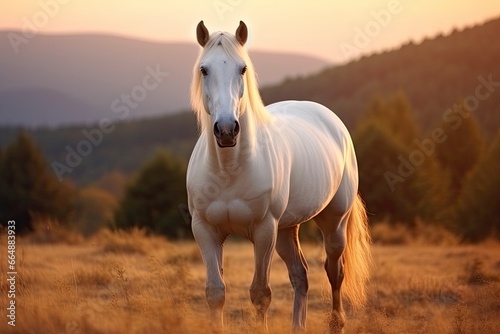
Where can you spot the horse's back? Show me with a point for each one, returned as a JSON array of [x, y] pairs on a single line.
[[310, 120]]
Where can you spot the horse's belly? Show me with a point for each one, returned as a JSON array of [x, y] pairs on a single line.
[[312, 187], [302, 212]]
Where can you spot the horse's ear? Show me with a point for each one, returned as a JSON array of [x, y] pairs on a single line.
[[202, 33], [242, 33]]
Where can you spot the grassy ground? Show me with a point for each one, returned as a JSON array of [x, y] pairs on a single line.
[[130, 283]]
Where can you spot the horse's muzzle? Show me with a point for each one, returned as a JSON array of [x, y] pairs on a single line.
[[226, 132]]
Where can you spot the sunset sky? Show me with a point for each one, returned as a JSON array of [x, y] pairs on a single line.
[[326, 29]]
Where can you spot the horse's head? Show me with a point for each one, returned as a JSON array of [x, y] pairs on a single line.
[[221, 71]]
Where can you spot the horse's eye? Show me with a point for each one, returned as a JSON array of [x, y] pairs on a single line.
[[203, 71], [243, 70]]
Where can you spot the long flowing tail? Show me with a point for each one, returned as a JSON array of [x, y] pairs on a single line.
[[357, 256]]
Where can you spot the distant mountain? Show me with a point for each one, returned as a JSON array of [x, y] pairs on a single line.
[[57, 80], [434, 75], [27, 107]]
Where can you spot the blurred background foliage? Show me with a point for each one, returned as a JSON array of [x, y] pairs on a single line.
[[392, 103]]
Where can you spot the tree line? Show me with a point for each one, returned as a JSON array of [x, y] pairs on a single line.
[[447, 175], [31, 194]]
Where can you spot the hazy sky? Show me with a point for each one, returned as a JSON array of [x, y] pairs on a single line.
[[333, 30]]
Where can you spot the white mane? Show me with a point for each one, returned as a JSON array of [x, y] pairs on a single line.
[[251, 95]]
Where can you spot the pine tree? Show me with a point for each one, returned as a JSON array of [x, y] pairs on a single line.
[[377, 151], [432, 183], [396, 114], [28, 190], [152, 200], [398, 180], [459, 153], [478, 212]]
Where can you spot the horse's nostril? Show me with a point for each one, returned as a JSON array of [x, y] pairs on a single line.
[[217, 131], [236, 128]]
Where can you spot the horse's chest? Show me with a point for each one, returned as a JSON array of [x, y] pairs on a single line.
[[235, 199], [231, 212], [237, 211]]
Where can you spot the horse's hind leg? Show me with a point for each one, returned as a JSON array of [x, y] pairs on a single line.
[[333, 228], [289, 250]]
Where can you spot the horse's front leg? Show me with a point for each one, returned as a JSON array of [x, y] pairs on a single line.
[[210, 242], [264, 240]]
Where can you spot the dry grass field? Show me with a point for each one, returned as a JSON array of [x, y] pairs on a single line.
[[131, 283]]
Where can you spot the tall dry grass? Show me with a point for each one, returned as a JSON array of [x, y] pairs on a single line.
[[134, 283]]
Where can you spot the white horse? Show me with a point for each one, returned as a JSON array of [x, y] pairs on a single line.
[[260, 172]]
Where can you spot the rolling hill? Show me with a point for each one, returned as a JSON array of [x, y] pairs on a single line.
[[68, 79], [434, 74]]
